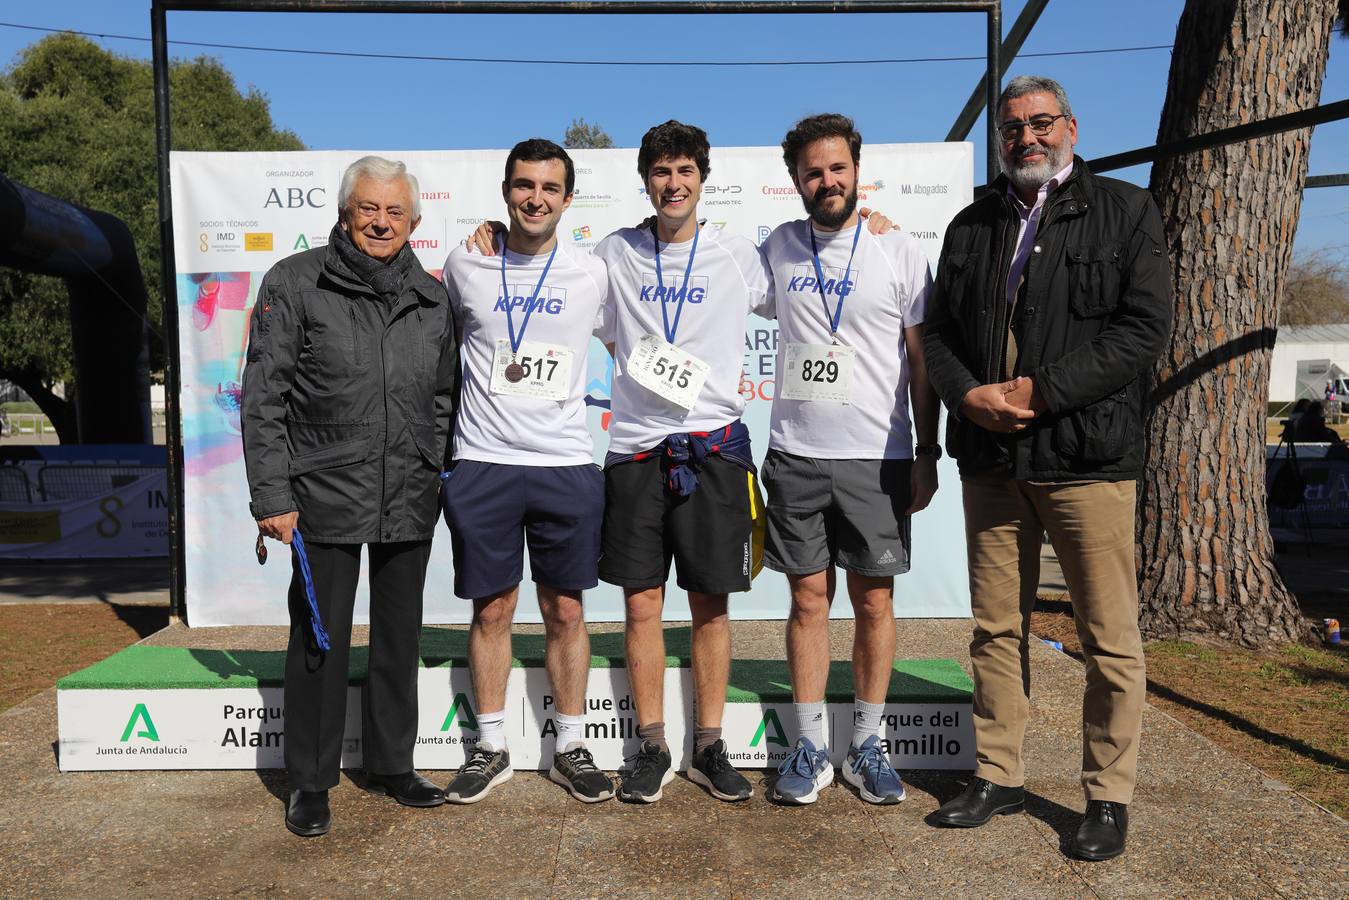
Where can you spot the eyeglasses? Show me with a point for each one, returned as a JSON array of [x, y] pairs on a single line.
[[1010, 131]]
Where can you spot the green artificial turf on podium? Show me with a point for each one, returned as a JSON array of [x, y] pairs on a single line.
[[142, 667]]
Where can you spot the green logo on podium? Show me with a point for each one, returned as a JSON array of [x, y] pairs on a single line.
[[776, 736], [463, 711], [140, 713]]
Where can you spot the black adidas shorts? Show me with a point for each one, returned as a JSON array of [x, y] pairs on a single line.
[[707, 533]]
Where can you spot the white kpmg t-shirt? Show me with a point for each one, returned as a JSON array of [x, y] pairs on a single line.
[[890, 285], [524, 431], [728, 281]]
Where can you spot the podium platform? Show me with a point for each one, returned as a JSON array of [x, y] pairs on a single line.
[[159, 707]]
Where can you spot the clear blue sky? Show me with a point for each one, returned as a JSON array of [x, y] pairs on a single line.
[[420, 104]]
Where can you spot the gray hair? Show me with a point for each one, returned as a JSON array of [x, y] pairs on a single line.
[[1022, 85], [380, 169]]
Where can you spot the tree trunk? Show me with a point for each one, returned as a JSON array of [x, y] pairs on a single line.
[[60, 411], [1206, 558]]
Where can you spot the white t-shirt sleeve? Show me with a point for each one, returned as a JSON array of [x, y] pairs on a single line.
[[606, 324], [604, 315], [754, 269], [919, 284], [768, 307], [453, 276]]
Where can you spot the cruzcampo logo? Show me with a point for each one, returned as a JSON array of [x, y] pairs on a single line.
[[140, 714], [770, 726], [461, 710]]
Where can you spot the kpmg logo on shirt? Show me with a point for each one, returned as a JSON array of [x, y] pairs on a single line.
[[551, 300], [804, 280], [673, 289]]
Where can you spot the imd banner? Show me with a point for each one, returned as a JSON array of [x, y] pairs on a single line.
[[236, 214]]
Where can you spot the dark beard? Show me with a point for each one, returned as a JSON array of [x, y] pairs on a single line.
[[826, 219]]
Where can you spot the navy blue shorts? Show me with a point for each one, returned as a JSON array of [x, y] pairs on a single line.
[[493, 509]]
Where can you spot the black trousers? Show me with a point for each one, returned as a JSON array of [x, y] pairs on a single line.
[[316, 682]]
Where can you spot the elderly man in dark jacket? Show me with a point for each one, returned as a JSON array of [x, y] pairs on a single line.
[[1051, 304], [347, 405]]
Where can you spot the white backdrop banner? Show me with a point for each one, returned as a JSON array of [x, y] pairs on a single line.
[[237, 214]]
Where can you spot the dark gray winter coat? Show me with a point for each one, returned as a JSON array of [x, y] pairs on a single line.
[[1096, 315], [347, 401]]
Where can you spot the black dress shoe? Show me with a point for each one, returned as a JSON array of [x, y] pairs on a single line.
[[1102, 832], [980, 801], [409, 788], [307, 813]]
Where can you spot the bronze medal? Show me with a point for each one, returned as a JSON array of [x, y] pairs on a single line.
[[515, 373]]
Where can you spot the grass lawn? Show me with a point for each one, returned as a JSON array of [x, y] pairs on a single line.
[[1284, 711], [41, 642]]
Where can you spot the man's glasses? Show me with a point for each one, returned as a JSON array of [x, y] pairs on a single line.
[[1010, 131]]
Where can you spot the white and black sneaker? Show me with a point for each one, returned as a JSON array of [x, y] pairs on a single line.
[[484, 769], [651, 771], [714, 771], [575, 770]]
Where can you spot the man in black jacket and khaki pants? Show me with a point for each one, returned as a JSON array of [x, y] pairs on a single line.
[[1050, 306], [347, 405]]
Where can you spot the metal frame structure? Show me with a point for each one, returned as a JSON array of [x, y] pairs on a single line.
[[992, 10]]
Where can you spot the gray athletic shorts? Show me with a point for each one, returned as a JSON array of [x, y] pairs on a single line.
[[845, 512]]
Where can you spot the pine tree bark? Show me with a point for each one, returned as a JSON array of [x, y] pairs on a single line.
[[1206, 558]]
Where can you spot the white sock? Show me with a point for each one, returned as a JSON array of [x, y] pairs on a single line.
[[570, 730], [492, 730], [810, 720], [866, 720]]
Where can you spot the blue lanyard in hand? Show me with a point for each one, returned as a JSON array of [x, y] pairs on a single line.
[[844, 288], [320, 634], [684, 289], [516, 340]]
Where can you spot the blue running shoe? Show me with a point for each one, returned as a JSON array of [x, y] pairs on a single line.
[[868, 769], [802, 775]]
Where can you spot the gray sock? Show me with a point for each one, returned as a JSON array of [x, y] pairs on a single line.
[[655, 733], [705, 737]]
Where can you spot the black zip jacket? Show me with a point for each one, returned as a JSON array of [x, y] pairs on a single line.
[[348, 402], [1095, 315]]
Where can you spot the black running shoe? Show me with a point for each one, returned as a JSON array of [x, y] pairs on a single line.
[[714, 771], [483, 770], [575, 770], [650, 772]]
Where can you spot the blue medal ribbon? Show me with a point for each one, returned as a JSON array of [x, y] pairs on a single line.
[[315, 620], [517, 340], [660, 283], [844, 288]]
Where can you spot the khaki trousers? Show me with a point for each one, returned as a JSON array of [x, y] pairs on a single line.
[[1091, 525]]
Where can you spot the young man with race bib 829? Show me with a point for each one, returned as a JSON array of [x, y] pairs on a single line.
[[524, 470], [841, 474]]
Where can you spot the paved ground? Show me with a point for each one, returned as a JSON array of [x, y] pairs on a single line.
[[1203, 822]]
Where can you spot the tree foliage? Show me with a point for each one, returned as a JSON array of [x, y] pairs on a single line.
[[1317, 290], [582, 136], [78, 122]]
